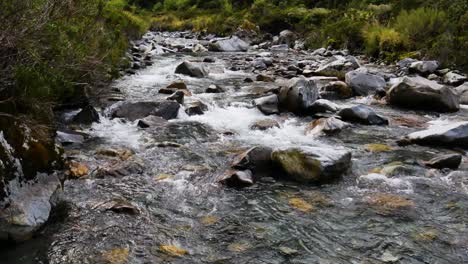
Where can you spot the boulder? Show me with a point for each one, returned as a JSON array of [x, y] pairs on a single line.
[[86, 116], [338, 67], [178, 96], [323, 106], [198, 48], [452, 78], [421, 93], [179, 85], [70, 137], [29, 156], [328, 126], [462, 92], [237, 179], [312, 164], [151, 121], [365, 83], [196, 108], [264, 124], [450, 161], [191, 69], [287, 37], [232, 44], [268, 105], [214, 89], [362, 114], [137, 110], [265, 78], [298, 95], [209, 60], [336, 90], [29, 207], [452, 135], [424, 67], [256, 159]]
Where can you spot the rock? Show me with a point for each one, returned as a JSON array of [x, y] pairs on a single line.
[[312, 164], [214, 89], [298, 95], [28, 208], [264, 124], [421, 93], [77, 170], [320, 52], [287, 37], [119, 168], [265, 78], [268, 105], [365, 83], [137, 110], [323, 106], [198, 48], [452, 135], [177, 96], [328, 126], [406, 63], [119, 206], [424, 67], [196, 108], [237, 179], [257, 160], [339, 67], [209, 60], [283, 47], [86, 116], [179, 85], [362, 114], [151, 121], [450, 161], [336, 90], [248, 80], [70, 137], [232, 44], [452, 78], [462, 91], [190, 69]]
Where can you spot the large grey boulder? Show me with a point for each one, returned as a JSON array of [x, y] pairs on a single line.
[[362, 114], [29, 207], [298, 96], [268, 105], [138, 110], [462, 92], [323, 106], [365, 83], [312, 164], [421, 93], [86, 116], [191, 69], [424, 67], [232, 44], [452, 135]]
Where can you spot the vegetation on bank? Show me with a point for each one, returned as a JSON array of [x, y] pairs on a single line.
[[385, 29], [52, 50]]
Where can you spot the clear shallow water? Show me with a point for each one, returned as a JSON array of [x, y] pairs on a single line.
[[404, 215]]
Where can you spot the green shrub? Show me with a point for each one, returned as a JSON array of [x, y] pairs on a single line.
[[384, 42]]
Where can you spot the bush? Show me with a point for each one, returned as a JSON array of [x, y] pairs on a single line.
[[421, 25], [384, 42]]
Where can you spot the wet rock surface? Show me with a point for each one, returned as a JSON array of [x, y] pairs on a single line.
[[153, 195]]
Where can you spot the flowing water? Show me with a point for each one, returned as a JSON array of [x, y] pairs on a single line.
[[409, 215]]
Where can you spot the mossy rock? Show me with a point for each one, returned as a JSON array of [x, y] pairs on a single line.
[[312, 164]]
